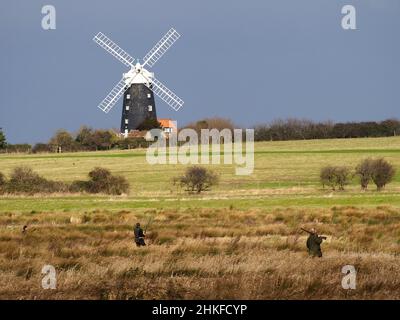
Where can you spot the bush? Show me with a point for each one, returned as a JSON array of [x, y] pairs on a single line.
[[335, 177], [383, 173], [79, 186], [101, 181], [365, 171], [197, 179], [327, 177], [25, 180], [378, 170]]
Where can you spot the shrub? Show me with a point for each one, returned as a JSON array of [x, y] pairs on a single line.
[[327, 177], [335, 176], [383, 173], [79, 186], [197, 179], [25, 180], [365, 171], [102, 181]]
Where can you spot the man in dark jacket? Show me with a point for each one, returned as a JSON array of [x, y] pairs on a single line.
[[139, 235], [314, 244]]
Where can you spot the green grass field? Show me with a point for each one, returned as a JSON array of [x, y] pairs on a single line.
[[241, 240], [285, 174]]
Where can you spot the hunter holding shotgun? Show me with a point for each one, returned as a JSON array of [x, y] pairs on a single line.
[[139, 235], [314, 243]]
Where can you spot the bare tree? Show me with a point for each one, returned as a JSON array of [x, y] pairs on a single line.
[[327, 177], [365, 171], [197, 179], [383, 173], [335, 176], [343, 175]]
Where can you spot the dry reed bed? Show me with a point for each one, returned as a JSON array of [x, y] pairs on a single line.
[[202, 253]]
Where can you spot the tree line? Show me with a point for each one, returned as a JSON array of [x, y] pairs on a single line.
[[297, 129], [88, 139], [85, 139]]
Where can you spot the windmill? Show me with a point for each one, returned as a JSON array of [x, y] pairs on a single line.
[[138, 85]]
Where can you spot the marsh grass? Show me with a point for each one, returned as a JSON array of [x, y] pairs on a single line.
[[214, 254]]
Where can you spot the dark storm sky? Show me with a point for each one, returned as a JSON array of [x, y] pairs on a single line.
[[252, 61]]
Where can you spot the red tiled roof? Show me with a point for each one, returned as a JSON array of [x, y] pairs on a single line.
[[166, 123]]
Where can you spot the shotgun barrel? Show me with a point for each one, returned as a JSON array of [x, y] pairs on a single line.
[[309, 232]]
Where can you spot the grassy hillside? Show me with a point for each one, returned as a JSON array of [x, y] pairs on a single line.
[[286, 173], [241, 240]]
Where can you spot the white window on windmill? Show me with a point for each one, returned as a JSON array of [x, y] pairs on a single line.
[[127, 108], [128, 96], [126, 121], [149, 95], [150, 108]]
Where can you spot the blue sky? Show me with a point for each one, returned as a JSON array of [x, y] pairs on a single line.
[[252, 61]]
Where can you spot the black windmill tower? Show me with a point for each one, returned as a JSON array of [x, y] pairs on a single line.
[[138, 85]]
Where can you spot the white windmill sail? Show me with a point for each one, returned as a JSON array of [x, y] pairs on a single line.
[[166, 95], [161, 47], [115, 50], [111, 99]]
